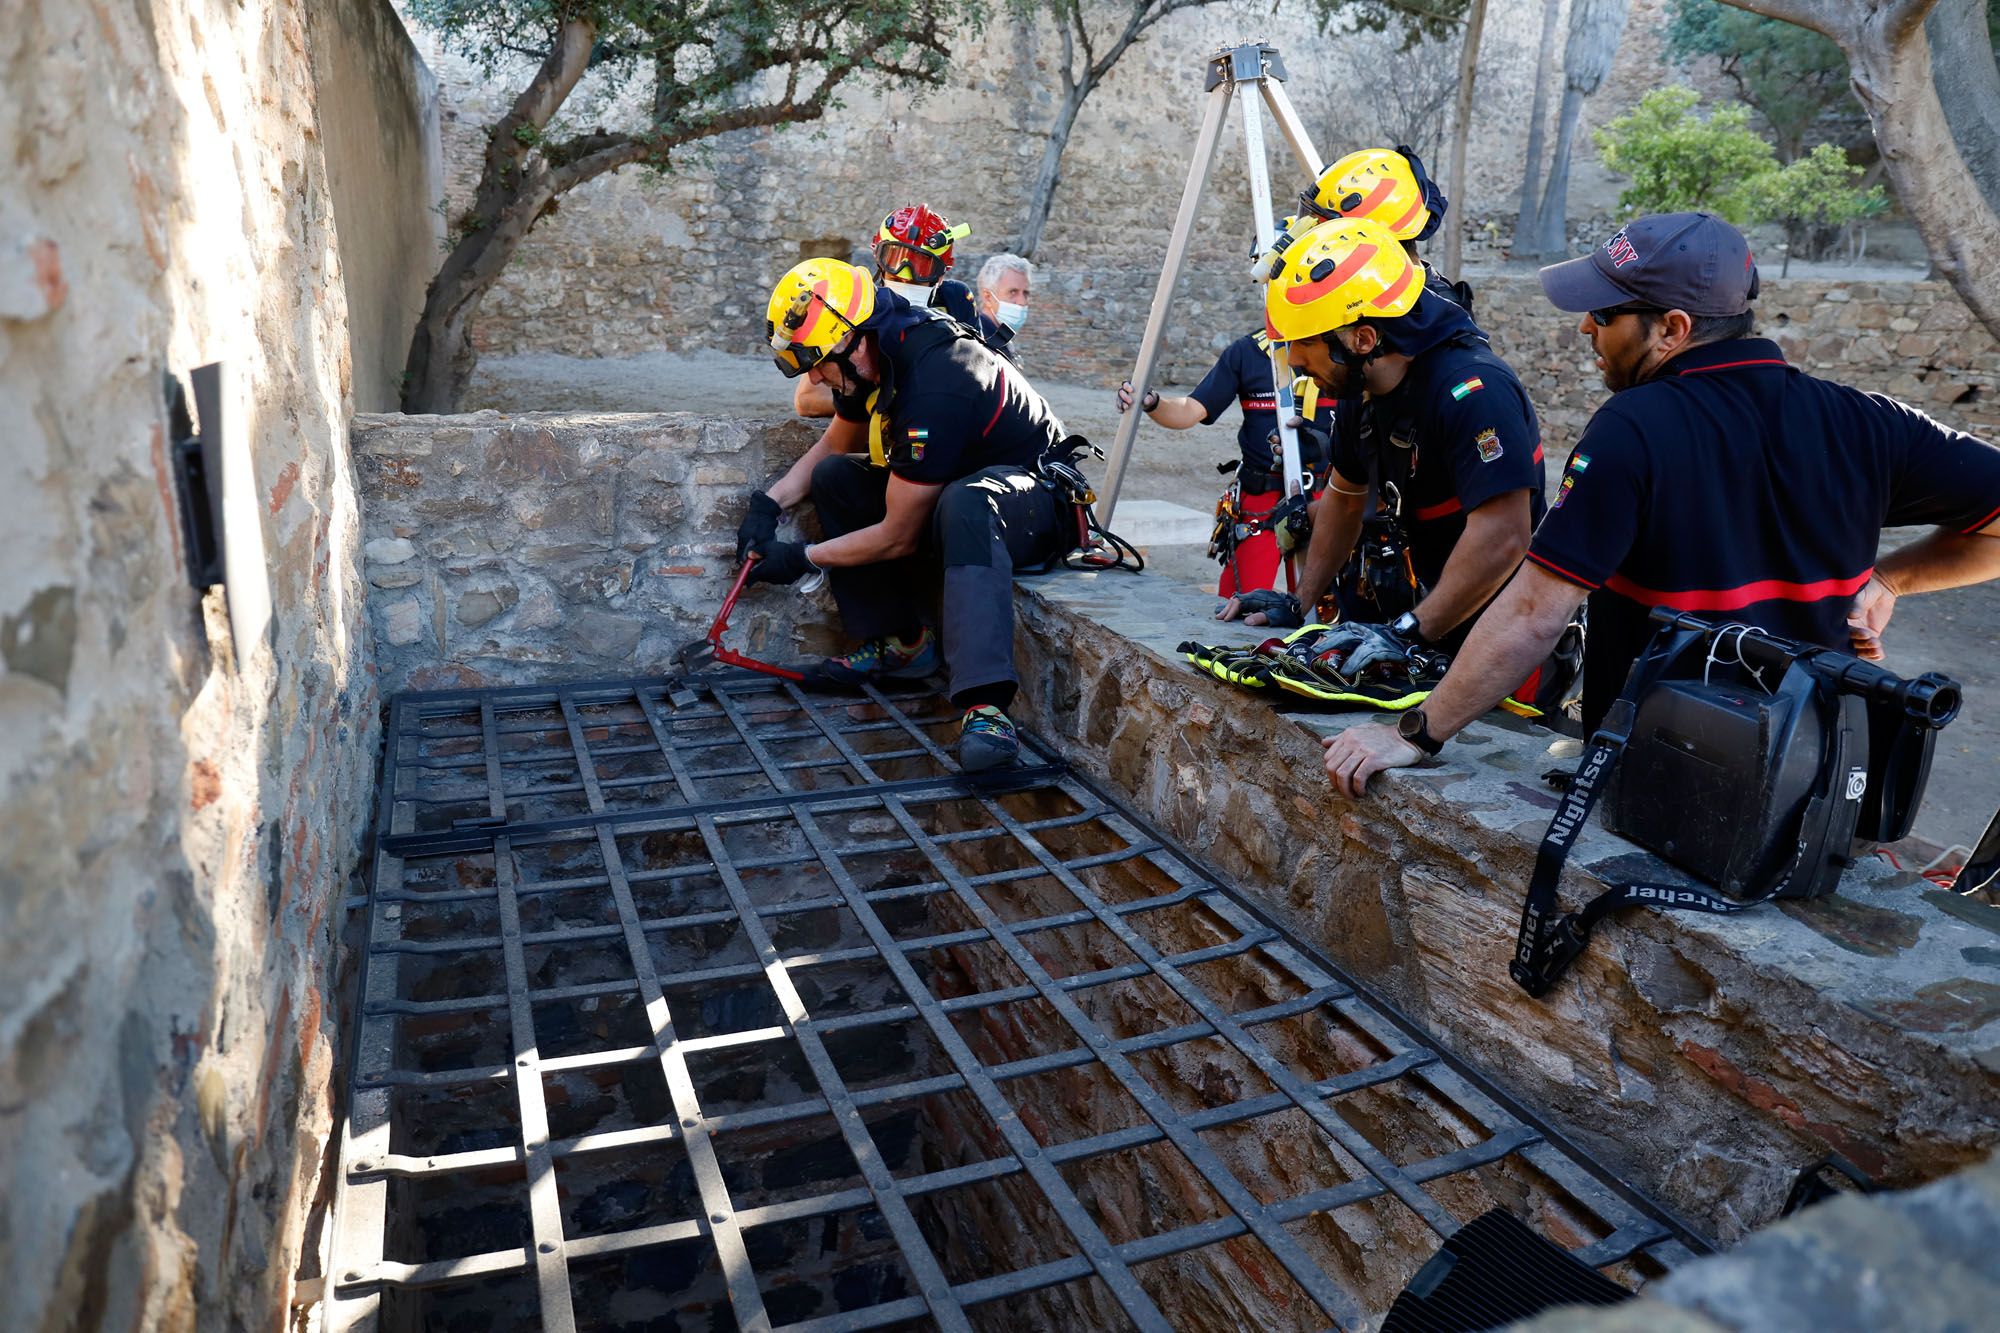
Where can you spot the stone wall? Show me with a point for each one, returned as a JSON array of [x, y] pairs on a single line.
[[183, 778], [378, 119], [634, 263], [543, 547], [1706, 1059]]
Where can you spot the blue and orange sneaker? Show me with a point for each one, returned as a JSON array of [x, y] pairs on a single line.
[[886, 658], [986, 740]]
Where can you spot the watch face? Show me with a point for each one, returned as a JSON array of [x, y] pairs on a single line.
[[1411, 724]]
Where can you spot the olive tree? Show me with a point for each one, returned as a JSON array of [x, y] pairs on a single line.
[[701, 68]]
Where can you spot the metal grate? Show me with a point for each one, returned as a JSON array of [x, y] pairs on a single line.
[[730, 921]]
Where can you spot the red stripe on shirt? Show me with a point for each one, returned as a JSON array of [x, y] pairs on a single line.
[[1735, 599], [1259, 404], [1560, 572], [1001, 385], [1732, 365], [1981, 523], [1442, 509], [1538, 451]]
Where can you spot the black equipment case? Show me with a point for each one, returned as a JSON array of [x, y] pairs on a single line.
[[1752, 762]]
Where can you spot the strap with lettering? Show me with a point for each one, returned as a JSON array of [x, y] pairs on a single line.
[[1547, 943]]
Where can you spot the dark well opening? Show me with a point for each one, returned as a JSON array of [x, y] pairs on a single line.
[[827, 1033]]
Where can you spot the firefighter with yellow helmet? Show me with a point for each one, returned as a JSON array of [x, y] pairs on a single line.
[[1431, 422], [933, 456]]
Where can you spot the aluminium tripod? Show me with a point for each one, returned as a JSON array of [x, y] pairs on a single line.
[[1232, 72]]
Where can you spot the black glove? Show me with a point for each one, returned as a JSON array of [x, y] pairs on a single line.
[[1279, 608], [759, 525], [781, 562]]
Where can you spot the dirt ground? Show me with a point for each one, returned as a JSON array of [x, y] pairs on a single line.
[[1955, 632]]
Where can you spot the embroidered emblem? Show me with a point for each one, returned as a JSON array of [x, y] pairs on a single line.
[[1621, 251], [1562, 493], [1472, 385], [1488, 444], [1579, 462]]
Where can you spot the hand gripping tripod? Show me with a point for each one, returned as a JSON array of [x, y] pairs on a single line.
[[1232, 72]]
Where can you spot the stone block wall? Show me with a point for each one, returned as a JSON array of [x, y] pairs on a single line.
[[1706, 1059], [545, 547], [378, 119], [183, 779]]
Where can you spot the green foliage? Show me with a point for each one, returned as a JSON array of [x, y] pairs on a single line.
[[1818, 190], [1794, 78], [1417, 20], [1677, 160]]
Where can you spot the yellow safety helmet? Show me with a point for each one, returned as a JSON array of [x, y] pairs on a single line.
[[1341, 272], [812, 308], [1377, 183]]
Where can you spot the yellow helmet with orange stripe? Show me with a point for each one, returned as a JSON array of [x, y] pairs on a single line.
[[1377, 183], [812, 308], [1341, 272]]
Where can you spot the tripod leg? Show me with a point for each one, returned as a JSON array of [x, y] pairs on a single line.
[[1281, 371], [1156, 322], [1292, 127]]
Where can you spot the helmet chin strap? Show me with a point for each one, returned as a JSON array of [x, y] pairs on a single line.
[[845, 360]]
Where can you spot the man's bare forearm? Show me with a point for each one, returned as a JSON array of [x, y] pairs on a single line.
[[1940, 560], [1485, 556]]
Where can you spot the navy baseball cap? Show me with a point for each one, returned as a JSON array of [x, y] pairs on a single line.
[[1674, 261]]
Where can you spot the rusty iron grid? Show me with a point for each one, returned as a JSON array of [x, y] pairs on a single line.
[[663, 802]]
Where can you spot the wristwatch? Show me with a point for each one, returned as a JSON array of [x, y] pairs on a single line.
[[1415, 728], [1407, 627]]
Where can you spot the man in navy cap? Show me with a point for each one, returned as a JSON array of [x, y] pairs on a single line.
[[1717, 480]]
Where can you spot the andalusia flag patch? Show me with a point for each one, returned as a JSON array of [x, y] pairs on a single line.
[[1468, 386]]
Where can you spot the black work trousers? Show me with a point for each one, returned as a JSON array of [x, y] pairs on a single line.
[[985, 527]]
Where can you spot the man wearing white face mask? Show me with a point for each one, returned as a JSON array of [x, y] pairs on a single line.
[[912, 252], [1003, 297]]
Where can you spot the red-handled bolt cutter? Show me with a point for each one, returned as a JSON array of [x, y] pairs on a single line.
[[707, 651]]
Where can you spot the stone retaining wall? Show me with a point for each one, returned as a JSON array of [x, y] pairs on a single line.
[[544, 547], [1706, 1058], [184, 777]]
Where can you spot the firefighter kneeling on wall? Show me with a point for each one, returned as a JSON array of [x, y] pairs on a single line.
[[932, 456]]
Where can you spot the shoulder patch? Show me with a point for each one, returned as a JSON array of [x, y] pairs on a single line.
[[1562, 492], [1488, 444], [1579, 462], [1464, 387]]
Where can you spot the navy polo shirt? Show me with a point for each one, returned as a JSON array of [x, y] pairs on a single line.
[[1456, 432], [1737, 488], [950, 405], [1242, 375]]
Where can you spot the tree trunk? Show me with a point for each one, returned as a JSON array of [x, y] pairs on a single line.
[[1968, 87], [509, 197], [1528, 223], [1959, 227], [441, 353], [1468, 71], [1042, 197], [1552, 237]]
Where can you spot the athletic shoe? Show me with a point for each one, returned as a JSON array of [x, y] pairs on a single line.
[[885, 658], [986, 740]]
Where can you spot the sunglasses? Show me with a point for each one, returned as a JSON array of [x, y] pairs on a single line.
[[1602, 318]]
